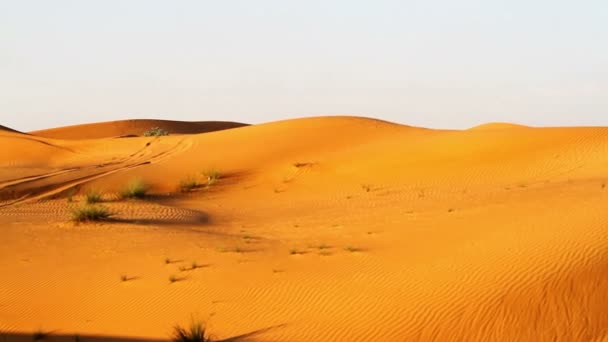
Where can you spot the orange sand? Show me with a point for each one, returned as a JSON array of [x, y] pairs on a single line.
[[320, 229]]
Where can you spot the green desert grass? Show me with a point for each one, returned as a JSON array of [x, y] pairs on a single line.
[[137, 188], [90, 213], [188, 184], [212, 176], [155, 132], [196, 332], [93, 196]]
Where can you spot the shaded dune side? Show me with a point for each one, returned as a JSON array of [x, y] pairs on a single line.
[[137, 127], [6, 129]]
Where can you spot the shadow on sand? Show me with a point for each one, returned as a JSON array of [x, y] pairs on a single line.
[[55, 336]]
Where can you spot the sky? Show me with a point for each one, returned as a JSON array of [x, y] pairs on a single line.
[[431, 63]]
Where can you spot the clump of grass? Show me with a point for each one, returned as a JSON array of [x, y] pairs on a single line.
[[212, 176], [294, 251], [71, 193], [40, 335], [196, 332], [124, 278], [188, 184], [168, 261], [90, 213], [352, 249], [135, 189], [173, 279], [93, 196], [155, 132]]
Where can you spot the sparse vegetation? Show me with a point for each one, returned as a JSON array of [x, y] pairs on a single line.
[[155, 132], [352, 249], [173, 279], [188, 184], [124, 278], [294, 251], [93, 196], [90, 213], [135, 189], [195, 333], [71, 193], [168, 261], [40, 335], [212, 176]]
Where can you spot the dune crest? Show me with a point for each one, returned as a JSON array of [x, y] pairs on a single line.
[[135, 127], [6, 129], [497, 126]]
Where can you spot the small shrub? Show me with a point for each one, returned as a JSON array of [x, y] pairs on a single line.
[[195, 333], [40, 335], [188, 184], [71, 193], [124, 278], [155, 132], [135, 189], [212, 176], [90, 213], [92, 197]]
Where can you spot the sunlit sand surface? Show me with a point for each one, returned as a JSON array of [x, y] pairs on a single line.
[[316, 229]]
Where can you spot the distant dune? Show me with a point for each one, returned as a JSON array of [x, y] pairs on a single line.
[[497, 125], [316, 229], [133, 128]]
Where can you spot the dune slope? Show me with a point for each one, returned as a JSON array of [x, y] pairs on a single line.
[[318, 229]]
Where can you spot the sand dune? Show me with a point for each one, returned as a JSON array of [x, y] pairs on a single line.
[[133, 128], [320, 229], [6, 129]]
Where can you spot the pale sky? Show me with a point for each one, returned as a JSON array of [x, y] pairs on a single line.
[[433, 63]]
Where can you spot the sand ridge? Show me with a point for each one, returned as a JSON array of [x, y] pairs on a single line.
[[327, 228], [127, 128]]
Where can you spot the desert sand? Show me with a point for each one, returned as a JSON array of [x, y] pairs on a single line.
[[318, 229]]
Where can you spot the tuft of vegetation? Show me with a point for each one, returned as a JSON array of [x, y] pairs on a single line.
[[174, 279], [352, 249], [93, 196], [71, 194], [40, 335], [188, 184], [168, 261], [212, 176], [90, 213], [195, 333], [156, 132], [135, 189]]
